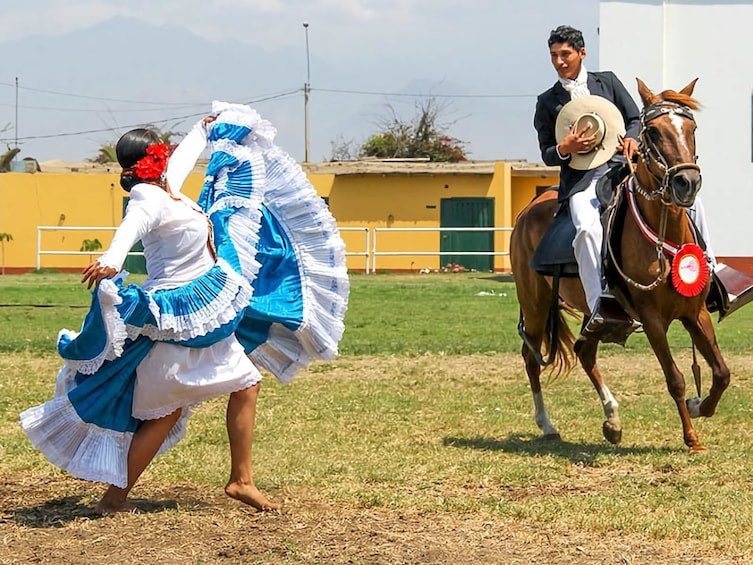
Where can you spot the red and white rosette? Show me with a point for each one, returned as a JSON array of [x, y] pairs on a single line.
[[690, 271]]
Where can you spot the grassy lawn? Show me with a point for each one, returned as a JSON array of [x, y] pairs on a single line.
[[427, 411], [450, 314]]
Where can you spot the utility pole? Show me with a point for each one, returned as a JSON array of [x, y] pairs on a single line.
[[306, 91], [16, 128]]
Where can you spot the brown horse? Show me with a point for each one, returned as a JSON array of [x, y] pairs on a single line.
[[664, 184]]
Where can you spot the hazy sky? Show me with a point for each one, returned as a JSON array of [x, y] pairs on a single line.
[[484, 59]]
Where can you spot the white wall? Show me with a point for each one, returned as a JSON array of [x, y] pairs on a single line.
[[667, 43]]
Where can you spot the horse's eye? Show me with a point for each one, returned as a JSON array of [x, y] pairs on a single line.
[[653, 134]]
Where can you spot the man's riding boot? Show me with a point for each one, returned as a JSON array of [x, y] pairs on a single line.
[[730, 290], [609, 323]]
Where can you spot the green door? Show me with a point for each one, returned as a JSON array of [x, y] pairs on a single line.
[[467, 213], [135, 264]]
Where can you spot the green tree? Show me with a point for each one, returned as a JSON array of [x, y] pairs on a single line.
[[7, 158], [3, 238], [421, 137], [90, 245], [106, 155]]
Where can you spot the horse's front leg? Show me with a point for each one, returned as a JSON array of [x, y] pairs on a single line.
[[657, 337], [612, 426], [701, 331]]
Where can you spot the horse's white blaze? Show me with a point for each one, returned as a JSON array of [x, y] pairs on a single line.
[[541, 417], [677, 122]]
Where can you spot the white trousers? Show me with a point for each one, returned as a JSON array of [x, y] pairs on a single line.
[[584, 210]]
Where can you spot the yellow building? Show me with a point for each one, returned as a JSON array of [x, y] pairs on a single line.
[[394, 215]]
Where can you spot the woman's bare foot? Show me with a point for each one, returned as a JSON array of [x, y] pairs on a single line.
[[108, 508], [249, 494]]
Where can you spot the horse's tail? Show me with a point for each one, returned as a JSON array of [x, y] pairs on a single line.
[[556, 352], [565, 345]]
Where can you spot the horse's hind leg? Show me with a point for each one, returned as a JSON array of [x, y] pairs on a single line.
[[612, 426], [533, 369], [534, 318], [701, 332]]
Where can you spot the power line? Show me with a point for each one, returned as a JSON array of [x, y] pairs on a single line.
[[86, 97], [263, 98], [89, 110], [106, 99], [423, 94], [277, 96]]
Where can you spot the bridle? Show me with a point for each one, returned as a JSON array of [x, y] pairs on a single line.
[[658, 167], [655, 162]]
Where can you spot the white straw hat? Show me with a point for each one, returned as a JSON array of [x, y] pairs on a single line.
[[606, 122]]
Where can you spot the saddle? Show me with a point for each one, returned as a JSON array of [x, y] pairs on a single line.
[[554, 253], [555, 257]]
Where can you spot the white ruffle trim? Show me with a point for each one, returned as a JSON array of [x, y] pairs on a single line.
[[163, 411], [262, 131], [313, 232], [232, 299], [86, 451], [116, 332]]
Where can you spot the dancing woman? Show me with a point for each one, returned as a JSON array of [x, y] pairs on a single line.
[[252, 275]]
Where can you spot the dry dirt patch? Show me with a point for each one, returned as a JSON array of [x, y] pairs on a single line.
[[47, 517], [49, 520]]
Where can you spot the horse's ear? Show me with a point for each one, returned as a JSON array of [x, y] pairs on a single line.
[[688, 90], [646, 95]]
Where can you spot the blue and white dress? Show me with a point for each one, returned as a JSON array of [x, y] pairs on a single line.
[[273, 295]]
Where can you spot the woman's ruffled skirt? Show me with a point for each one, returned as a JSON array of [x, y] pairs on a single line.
[[279, 287]]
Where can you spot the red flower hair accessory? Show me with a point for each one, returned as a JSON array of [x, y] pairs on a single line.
[[152, 165]]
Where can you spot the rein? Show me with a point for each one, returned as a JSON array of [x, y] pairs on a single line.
[[657, 239], [653, 158]]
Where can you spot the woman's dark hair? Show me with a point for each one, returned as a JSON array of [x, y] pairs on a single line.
[[131, 147], [569, 35]]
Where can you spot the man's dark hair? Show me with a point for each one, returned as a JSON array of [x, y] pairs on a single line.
[[569, 35]]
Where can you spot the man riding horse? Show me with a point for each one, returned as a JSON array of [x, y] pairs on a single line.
[[585, 149], [657, 267]]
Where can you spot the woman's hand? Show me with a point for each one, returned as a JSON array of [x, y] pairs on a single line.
[[96, 272]]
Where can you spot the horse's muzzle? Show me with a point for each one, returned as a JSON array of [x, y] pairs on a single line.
[[685, 185]]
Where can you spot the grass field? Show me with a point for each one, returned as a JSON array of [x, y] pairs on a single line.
[[416, 445]]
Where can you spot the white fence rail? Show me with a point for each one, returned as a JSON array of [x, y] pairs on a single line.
[[41, 251], [375, 253], [365, 252], [370, 251]]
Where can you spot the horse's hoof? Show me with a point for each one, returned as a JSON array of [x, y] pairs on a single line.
[[551, 437], [611, 434], [698, 450], [694, 407]]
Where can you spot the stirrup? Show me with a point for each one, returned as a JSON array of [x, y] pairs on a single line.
[[609, 323]]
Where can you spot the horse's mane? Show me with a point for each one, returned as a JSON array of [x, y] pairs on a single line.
[[679, 98]]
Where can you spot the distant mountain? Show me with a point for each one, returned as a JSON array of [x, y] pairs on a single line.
[[125, 73], [168, 73]]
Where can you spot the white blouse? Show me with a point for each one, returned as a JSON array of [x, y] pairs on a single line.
[[172, 228], [174, 232]]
